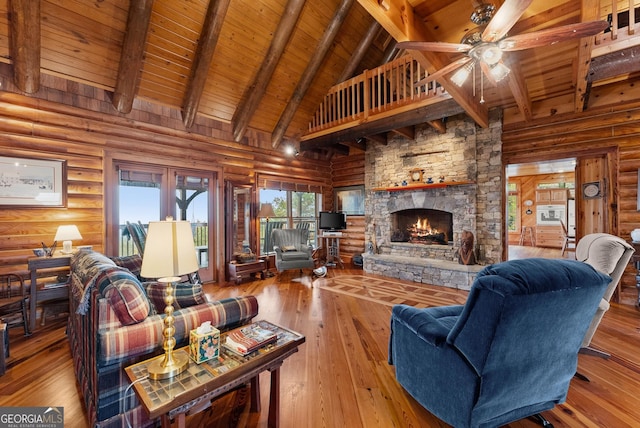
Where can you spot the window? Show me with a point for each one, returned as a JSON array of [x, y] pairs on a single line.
[[513, 208], [291, 209]]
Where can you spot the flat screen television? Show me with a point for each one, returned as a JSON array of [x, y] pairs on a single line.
[[332, 221]]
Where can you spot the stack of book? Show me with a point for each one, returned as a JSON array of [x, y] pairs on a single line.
[[248, 339]]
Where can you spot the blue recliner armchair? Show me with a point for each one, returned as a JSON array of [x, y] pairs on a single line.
[[508, 353]]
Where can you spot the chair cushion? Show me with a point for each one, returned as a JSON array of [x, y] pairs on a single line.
[[185, 295], [125, 294], [295, 255]]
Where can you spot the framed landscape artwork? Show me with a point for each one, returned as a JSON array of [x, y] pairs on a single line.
[[350, 200], [28, 182]]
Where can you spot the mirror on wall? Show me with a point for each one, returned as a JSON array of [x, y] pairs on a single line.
[[238, 217]]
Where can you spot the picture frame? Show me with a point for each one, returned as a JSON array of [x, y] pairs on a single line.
[[27, 182], [349, 200]]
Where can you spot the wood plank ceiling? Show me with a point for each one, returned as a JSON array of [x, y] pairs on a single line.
[[265, 65]]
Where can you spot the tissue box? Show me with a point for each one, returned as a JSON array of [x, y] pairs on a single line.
[[203, 347]]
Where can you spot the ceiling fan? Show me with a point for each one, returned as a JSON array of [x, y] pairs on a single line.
[[485, 44]]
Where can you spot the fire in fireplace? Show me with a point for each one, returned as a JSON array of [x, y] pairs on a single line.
[[422, 226]]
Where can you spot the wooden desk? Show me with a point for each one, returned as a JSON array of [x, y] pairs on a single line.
[[53, 290], [195, 388]]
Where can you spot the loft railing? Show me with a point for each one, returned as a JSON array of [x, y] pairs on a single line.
[[388, 87]]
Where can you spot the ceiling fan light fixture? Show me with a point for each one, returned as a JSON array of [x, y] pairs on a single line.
[[490, 54], [461, 76], [499, 71]]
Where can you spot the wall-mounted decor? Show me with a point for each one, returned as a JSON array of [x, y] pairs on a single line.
[[32, 182], [591, 190], [350, 200]]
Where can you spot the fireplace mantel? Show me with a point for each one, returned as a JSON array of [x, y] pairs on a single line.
[[422, 186]]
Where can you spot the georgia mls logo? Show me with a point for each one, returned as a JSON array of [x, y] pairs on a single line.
[[31, 417]]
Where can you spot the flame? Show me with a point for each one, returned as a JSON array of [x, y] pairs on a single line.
[[422, 226]]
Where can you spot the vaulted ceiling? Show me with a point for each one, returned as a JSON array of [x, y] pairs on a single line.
[[265, 65]]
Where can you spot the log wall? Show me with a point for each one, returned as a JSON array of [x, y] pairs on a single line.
[[77, 123]]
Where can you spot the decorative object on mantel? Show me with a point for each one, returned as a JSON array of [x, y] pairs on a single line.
[[430, 180], [416, 175], [441, 179], [466, 255], [418, 186], [635, 235]]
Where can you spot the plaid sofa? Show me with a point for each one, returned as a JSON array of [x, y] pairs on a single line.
[[114, 324]]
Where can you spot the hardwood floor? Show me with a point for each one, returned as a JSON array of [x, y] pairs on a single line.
[[340, 377]]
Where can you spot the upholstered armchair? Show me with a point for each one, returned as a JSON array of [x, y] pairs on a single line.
[[292, 250], [608, 254], [508, 353]]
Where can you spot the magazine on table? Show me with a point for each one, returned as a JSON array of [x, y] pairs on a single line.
[[245, 340]]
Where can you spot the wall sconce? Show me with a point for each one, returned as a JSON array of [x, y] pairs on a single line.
[[291, 151]]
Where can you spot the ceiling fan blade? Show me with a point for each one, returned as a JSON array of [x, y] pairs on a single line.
[[505, 18], [552, 35], [435, 46], [444, 70]]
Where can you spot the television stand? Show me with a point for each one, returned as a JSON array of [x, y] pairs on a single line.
[[332, 246], [331, 233]]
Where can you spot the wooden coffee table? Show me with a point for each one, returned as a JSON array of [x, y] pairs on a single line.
[[195, 388]]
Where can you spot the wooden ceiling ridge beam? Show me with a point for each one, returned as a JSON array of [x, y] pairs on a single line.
[[398, 19], [310, 72], [131, 57], [207, 42], [255, 92], [590, 11], [519, 90], [25, 44]]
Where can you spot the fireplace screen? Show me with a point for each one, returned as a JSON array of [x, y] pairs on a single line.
[[422, 226]]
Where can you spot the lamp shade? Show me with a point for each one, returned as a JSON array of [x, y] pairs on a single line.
[[266, 210], [169, 250], [67, 232]]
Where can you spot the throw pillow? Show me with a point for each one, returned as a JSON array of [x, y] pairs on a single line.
[[132, 263], [184, 295], [289, 248], [125, 294]]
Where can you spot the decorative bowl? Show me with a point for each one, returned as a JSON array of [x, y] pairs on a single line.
[[38, 252]]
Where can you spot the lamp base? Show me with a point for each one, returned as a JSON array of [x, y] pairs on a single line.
[[159, 369]]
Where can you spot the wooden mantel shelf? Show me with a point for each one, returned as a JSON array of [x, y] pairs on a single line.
[[422, 186]]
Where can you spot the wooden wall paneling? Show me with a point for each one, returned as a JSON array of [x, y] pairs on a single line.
[[38, 127]]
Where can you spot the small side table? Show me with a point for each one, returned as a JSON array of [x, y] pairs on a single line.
[[239, 271], [48, 267]]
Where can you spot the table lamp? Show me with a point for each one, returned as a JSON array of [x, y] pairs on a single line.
[[168, 253], [66, 234]]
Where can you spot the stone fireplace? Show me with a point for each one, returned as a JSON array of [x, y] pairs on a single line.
[[415, 227]]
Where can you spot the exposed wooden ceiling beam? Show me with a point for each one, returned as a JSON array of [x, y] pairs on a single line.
[[131, 57], [25, 44], [519, 90], [369, 129], [361, 49], [406, 131], [254, 92], [207, 42], [310, 71], [438, 125], [356, 145], [400, 22], [615, 64], [590, 11], [379, 138]]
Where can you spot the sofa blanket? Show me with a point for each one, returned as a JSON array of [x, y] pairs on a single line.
[[116, 319]]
